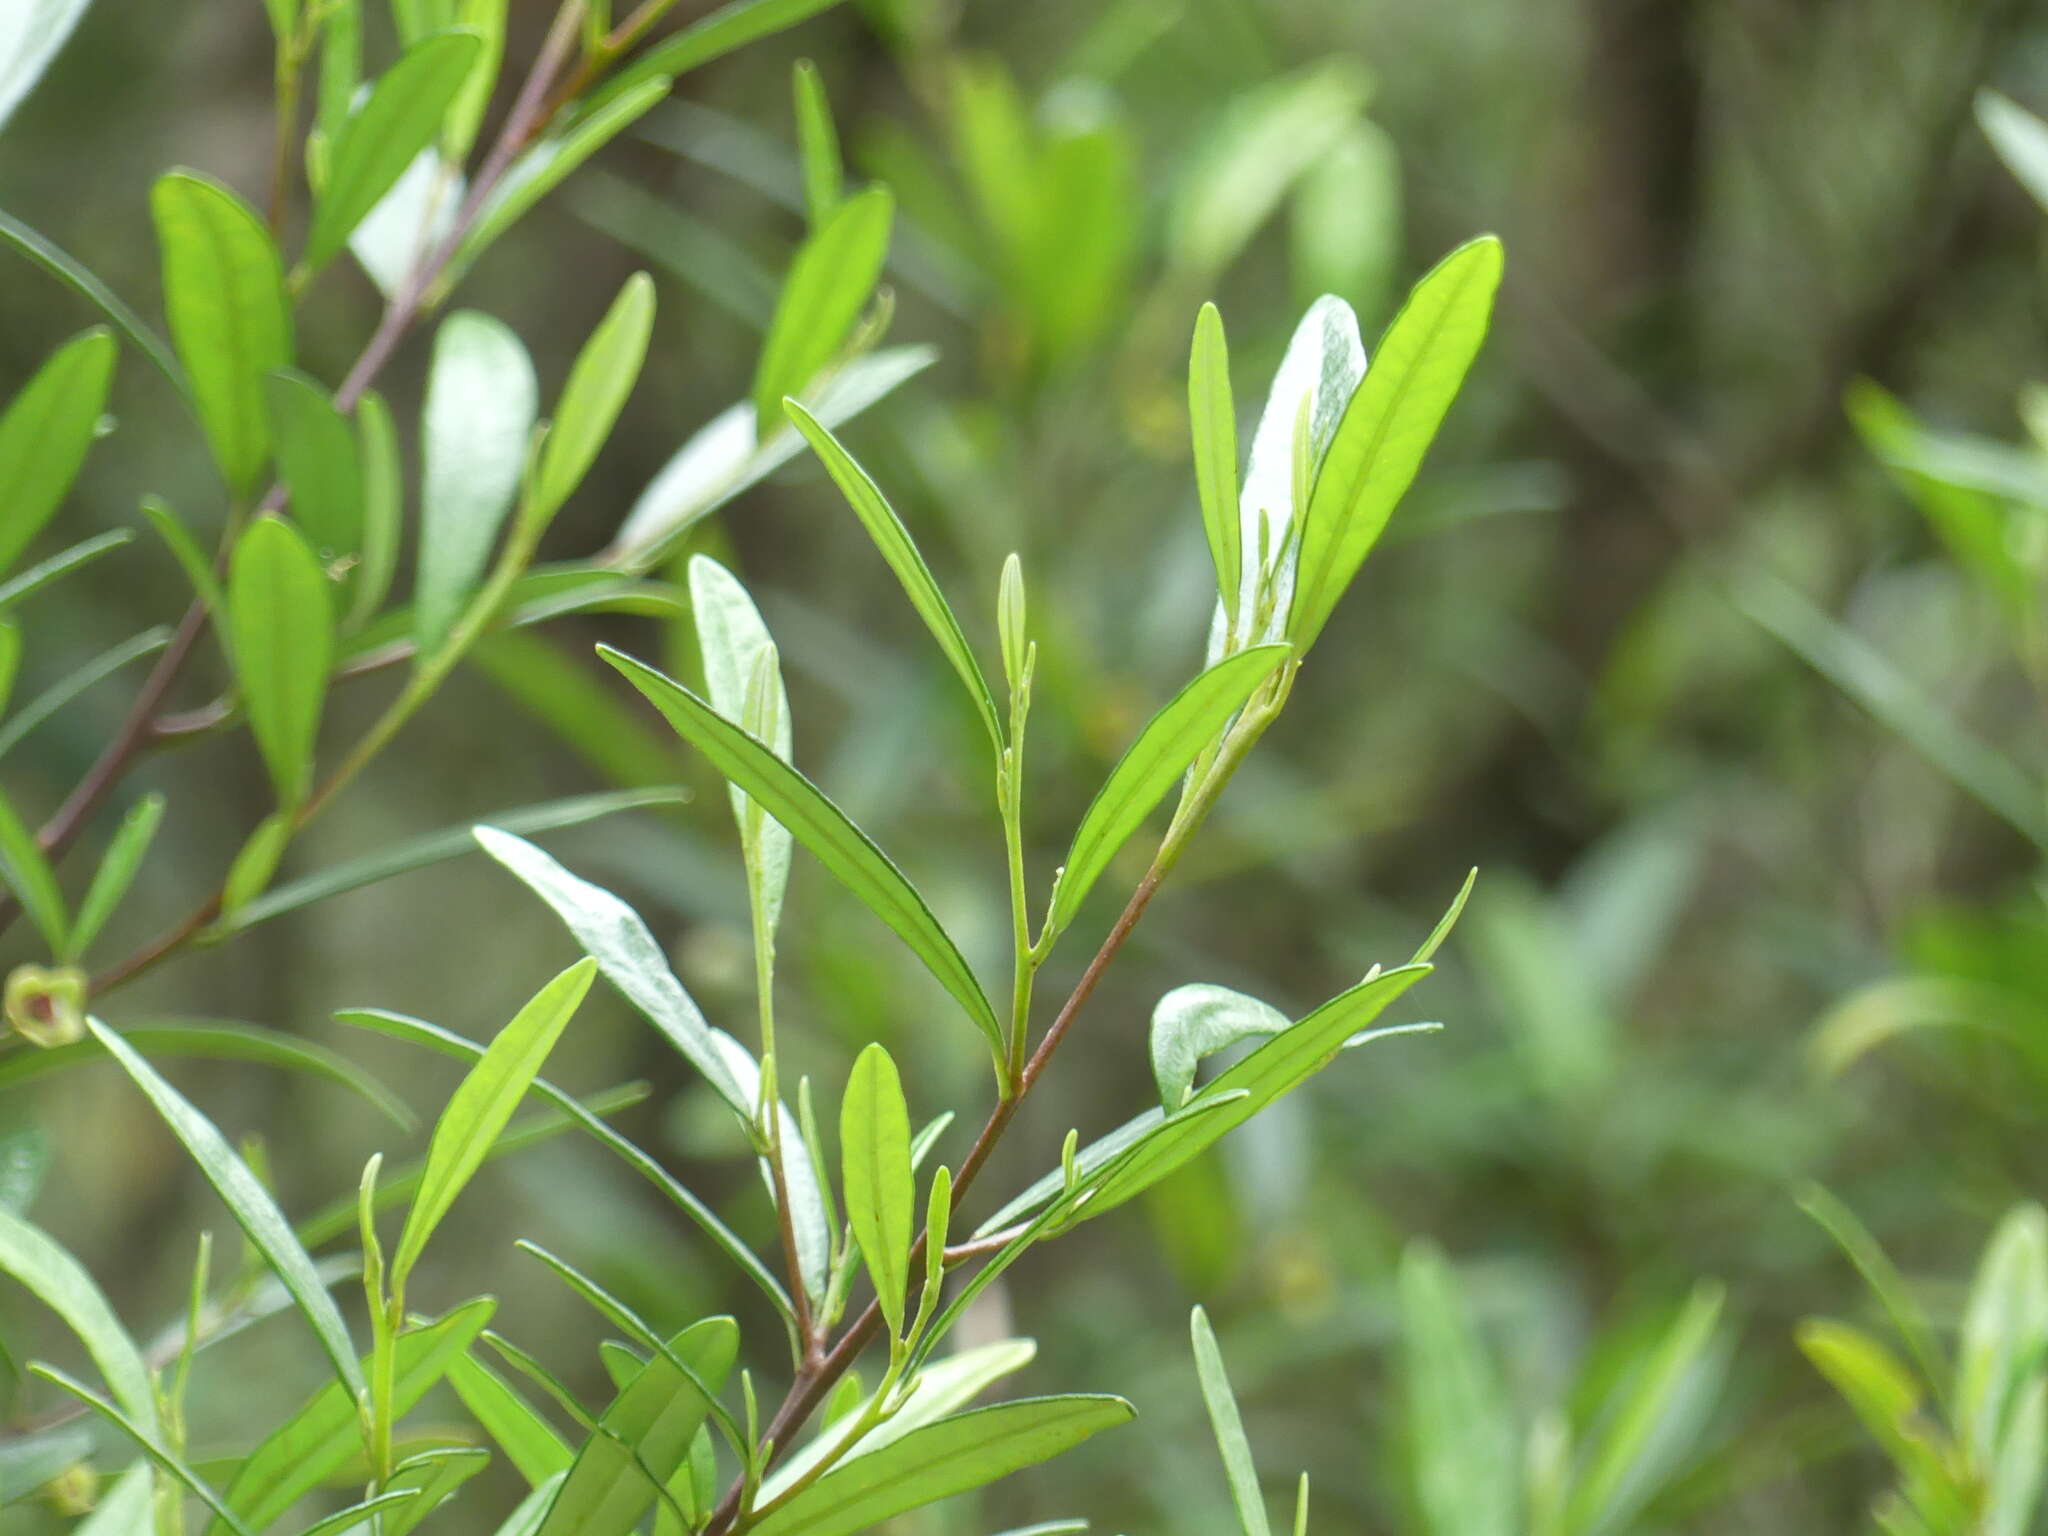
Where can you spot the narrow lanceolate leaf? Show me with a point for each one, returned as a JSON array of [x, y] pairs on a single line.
[[644, 1437], [68, 270], [894, 542], [1212, 420], [432, 1477], [31, 33], [483, 1104], [881, 1198], [157, 1450], [26, 871], [383, 505], [821, 827], [33, 1259], [1388, 426], [115, 874], [281, 627], [318, 463], [817, 145], [599, 381], [314, 1443], [1462, 1427], [528, 1440], [45, 433], [733, 25], [954, 1455], [1228, 1427], [253, 1209], [632, 960], [230, 320], [481, 400], [736, 644], [828, 285], [1171, 740], [401, 116], [2019, 137]]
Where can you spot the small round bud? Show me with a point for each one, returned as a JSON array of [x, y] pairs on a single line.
[[46, 1007]]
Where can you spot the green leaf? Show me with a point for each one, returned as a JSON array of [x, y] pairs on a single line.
[[817, 145], [709, 37], [483, 1104], [528, 1440], [60, 693], [402, 115], [733, 453], [432, 1476], [954, 1455], [1153, 764], [31, 35], [44, 435], [253, 1208], [255, 863], [225, 298], [26, 870], [359, 1518], [69, 271], [317, 1441], [438, 847], [532, 1510], [27, 1462], [157, 1451], [1196, 1021], [124, 1511], [281, 628], [212, 1040], [2005, 1331], [735, 643], [900, 552], [61, 1283], [116, 872], [318, 462], [1647, 1428], [645, 1433], [2019, 137], [192, 560], [874, 1159], [474, 431], [542, 168], [1228, 1427], [1388, 426], [830, 280], [1878, 1272], [822, 828], [599, 381], [383, 505], [1461, 1425], [613, 934], [42, 574], [1879, 1389], [485, 18], [340, 69], [1212, 420]]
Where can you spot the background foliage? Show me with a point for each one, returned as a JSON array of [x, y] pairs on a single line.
[[1691, 638]]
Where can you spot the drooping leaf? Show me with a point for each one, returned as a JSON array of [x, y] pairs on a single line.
[[478, 418], [599, 381], [1153, 764], [822, 828], [1228, 1427], [881, 1198], [830, 280], [217, 1040], [281, 623], [613, 934], [953, 1455], [115, 874], [253, 1208], [318, 463], [902, 557], [1212, 421], [527, 1439], [45, 432], [225, 298], [319, 1439], [401, 116], [1388, 426], [483, 1104], [35, 1260], [1196, 1021], [646, 1432]]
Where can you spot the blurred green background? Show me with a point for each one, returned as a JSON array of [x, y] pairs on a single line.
[[1718, 891]]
